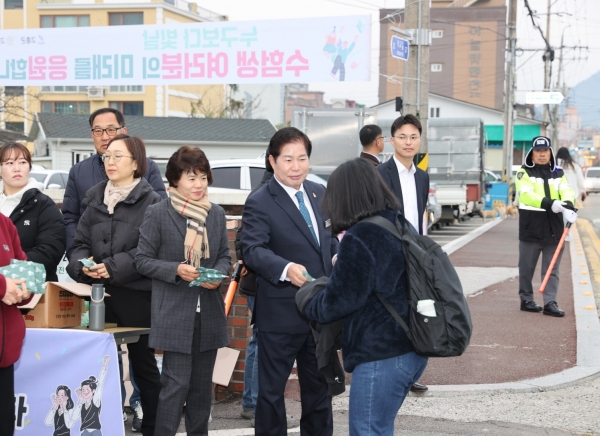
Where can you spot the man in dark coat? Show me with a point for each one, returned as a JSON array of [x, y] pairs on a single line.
[[409, 183], [104, 123], [284, 239], [372, 140]]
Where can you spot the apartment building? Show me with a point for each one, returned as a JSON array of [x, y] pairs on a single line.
[[20, 103], [466, 55]]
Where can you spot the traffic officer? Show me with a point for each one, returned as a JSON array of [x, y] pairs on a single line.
[[544, 198]]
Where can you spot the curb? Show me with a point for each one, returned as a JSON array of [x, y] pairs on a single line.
[[587, 325]]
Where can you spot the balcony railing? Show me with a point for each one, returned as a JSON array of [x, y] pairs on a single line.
[[192, 8]]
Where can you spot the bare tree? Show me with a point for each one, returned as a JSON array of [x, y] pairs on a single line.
[[229, 108], [19, 103]]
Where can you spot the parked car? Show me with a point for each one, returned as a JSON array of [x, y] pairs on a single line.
[[51, 179], [592, 180], [243, 174]]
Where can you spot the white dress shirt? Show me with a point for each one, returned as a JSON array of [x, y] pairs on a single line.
[[409, 192], [292, 193]]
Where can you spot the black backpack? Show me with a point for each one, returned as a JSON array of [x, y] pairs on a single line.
[[431, 276]]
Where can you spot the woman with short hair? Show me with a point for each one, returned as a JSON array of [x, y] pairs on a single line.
[[370, 260], [38, 220], [108, 233], [188, 323]]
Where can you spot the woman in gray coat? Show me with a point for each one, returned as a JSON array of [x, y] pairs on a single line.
[[188, 323]]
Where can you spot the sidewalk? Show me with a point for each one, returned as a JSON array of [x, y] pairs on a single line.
[[512, 350]]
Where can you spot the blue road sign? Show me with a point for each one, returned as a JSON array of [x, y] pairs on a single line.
[[399, 48]]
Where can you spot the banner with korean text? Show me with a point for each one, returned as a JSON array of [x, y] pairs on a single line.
[[275, 51], [67, 381]]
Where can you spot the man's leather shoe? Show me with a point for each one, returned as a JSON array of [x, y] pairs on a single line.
[[553, 310], [419, 388], [531, 306]]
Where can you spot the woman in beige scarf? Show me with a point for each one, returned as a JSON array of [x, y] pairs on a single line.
[[108, 233], [188, 323]]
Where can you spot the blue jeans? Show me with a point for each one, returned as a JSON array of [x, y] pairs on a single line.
[[251, 366], [135, 395], [378, 390]]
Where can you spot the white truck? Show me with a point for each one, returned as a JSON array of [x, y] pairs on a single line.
[[455, 149]]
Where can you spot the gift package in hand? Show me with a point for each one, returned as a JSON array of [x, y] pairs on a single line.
[[33, 273], [207, 275]]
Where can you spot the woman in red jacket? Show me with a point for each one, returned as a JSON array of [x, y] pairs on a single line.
[[12, 326]]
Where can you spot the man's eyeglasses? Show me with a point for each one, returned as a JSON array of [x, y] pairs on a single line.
[[111, 131], [116, 157], [381, 137], [404, 138]]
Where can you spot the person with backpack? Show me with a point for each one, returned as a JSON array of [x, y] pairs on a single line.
[[544, 194], [370, 265]]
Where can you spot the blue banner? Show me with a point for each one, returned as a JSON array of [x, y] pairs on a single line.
[[67, 383]]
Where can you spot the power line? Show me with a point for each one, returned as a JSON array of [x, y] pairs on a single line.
[[536, 25]]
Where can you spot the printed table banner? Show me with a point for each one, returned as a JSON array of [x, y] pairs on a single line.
[[274, 51], [67, 381]]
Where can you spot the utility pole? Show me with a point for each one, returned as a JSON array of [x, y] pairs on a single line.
[[555, 108], [509, 95], [416, 70], [548, 58]]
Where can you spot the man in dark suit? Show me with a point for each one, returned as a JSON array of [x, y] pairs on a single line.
[[409, 183], [284, 238], [372, 140]]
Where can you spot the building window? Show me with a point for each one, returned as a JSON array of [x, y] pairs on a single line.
[[65, 20], [437, 33], [66, 107], [66, 89], [125, 19], [129, 107], [14, 91], [78, 156], [436, 68], [15, 126], [125, 89], [13, 4], [434, 112]]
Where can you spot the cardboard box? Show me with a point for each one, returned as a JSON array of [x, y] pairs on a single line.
[[61, 306]]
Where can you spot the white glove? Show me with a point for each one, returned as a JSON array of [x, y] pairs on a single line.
[[557, 206], [570, 216]]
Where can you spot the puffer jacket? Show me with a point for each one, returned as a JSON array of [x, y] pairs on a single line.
[[537, 187], [112, 239], [41, 230], [85, 175], [12, 326]]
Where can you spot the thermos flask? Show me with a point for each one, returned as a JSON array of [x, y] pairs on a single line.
[[97, 308]]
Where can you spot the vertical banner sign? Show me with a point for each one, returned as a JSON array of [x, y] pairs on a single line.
[[67, 381], [275, 51]]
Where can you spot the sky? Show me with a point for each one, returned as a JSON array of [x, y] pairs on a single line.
[[578, 20]]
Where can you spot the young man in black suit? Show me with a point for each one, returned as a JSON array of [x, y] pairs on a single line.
[[409, 183], [372, 140]]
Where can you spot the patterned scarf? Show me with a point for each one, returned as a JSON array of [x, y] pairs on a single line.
[[196, 238], [115, 194]]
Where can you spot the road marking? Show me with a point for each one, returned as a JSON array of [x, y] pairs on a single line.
[[591, 242], [588, 294]]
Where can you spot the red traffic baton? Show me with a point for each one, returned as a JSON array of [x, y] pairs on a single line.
[[233, 285], [555, 257]]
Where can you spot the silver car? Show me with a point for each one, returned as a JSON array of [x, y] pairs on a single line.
[[592, 180]]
